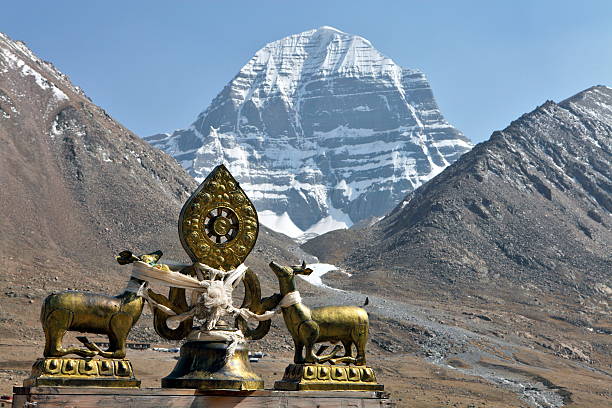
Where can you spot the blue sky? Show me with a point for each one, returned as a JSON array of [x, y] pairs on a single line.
[[154, 65]]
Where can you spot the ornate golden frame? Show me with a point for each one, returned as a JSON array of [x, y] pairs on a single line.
[[218, 191]]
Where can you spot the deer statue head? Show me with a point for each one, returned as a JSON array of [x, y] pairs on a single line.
[[286, 275]]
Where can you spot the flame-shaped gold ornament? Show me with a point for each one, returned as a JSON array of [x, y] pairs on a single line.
[[218, 227], [218, 224]]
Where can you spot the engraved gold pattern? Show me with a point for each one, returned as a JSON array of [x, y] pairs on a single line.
[[218, 224], [56, 371], [326, 377]]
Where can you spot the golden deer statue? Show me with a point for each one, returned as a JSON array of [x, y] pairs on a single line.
[[345, 324], [93, 313]]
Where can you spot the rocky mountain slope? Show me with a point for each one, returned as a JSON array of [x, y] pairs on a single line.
[[528, 210], [511, 242], [77, 187], [322, 130]]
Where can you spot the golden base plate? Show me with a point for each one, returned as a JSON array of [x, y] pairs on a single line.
[[322, 377], [81, 372]]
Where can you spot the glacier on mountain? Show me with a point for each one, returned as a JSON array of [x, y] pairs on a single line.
[[322, 131]]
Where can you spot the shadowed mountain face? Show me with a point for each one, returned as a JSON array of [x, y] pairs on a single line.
[[77, 187], [530, 207], [322, 131]]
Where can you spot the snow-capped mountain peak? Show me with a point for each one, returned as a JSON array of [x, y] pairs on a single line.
[[322, 130]]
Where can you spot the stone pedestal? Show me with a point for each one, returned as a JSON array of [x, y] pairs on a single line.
[[76, 372], [84, 397], [326, 377]]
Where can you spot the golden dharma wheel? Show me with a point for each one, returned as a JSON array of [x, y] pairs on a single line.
[[218, 224]]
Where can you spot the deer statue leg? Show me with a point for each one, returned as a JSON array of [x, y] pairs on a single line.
[[348, 348], [119, 327], [53, 335], [311, 356], [348, 357], [55, 326], [360, 343], [298, 356], [308, 333]]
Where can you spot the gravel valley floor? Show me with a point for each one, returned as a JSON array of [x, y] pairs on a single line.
[[428, 353]]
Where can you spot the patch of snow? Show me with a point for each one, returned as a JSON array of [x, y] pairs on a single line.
[[318, 270], [284, 224], [451, 143], [347, 191], [55, 130], [327, 224], [336, 219], [106, 158], [279, 223], [26, 70], [58, 93], [406, 201]]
